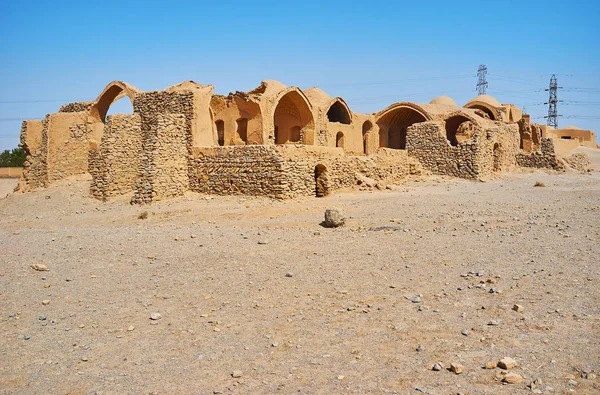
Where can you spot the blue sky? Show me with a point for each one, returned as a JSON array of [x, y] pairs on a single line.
[[371, 53]]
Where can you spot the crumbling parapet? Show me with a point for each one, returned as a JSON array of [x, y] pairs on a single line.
[[545, 157]]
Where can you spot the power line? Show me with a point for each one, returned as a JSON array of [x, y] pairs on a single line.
[[481, 82], [552, 117]]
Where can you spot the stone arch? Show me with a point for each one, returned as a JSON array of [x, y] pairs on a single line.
[[321, 181], [367, 128], [339, 140], [394, 120], [459, 128], [292, 118], [113, 92], [339, 112]]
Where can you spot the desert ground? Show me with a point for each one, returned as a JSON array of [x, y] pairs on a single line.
[[252, 295]]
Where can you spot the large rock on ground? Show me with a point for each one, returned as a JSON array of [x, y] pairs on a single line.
[[334, 217]]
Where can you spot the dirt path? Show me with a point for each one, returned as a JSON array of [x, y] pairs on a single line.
[[258, 286]]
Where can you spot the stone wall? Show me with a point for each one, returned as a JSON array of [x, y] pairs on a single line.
[[164, 158], [115, 164], [253, 170], [289, 171], [488, 150], [545, 157], [81, 106]]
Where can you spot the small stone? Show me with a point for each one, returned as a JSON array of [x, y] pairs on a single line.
[[334, 217], [41, 317], [420, 348], [289, 274], [39, 267], [494, 322], [155, 316], [457, 368], [492, 290], [262, 242], [512, 378], [340, 377], [68, 279], [46, 302], [416, 300], [491, 365], [275, 344], [420, 389], [84, 359], [507, 363], [465, 332], [130, 328], [11, 314], [27, 337], [572, 383], [46, 285], [237, 374], [518, 308], [436, 367]]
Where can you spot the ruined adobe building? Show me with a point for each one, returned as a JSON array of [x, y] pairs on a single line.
[[273, 141]]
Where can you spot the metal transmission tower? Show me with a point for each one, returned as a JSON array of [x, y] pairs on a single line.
[[552, 116], [481, 83]]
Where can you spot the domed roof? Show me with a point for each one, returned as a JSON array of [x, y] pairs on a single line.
[[487, 99], [317, 96], [268, 88], [572, 127], [444, 100]]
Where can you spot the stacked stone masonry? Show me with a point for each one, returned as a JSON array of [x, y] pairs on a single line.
[[275, 141]]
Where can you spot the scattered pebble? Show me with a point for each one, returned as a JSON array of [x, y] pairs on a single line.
[[491, 365], [512, 378], [39, 267], [155, 316], [416, 300], [237, 374], [465, 332], [420, 348], [457, 368], [507, 363], [518, 308], [41, 317], [289, 274], [437, 367], [45, 302]]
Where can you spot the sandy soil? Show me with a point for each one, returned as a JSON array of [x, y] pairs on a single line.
[[258, 289]]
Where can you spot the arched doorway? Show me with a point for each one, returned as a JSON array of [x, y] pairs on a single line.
[[113, 92], [458, 129], [339, 113], [393, 124], [321, 181], [339, 140], [366, 132], [292, 119], [242, 129], [220, 125]]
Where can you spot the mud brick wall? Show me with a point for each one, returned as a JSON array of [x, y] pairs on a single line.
[[115, 164], [545, 157], [164, 158]]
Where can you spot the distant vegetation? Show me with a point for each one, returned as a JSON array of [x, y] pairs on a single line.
[[12, 158]]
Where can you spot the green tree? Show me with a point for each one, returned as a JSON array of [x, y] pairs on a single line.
[[13, 158]]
